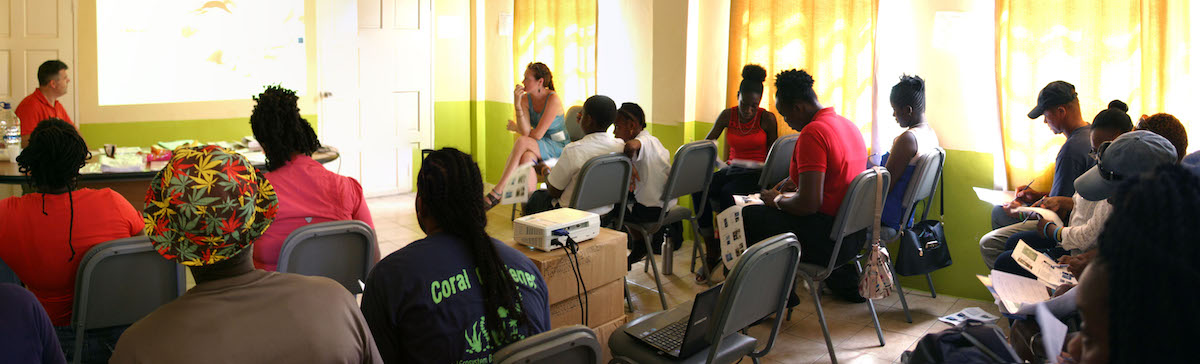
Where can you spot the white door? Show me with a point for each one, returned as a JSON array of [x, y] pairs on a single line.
[[375, 65], [32, 32]]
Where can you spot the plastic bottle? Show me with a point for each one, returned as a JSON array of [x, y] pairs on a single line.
[[3, 121], [12, 134]]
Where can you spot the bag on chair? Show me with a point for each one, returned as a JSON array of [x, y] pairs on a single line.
[[923, 246], [876, 281]]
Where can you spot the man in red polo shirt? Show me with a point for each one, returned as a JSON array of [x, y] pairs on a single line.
[[829, 153], [43, 103]]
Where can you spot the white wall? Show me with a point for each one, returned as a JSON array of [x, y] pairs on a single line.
[[625, 52]]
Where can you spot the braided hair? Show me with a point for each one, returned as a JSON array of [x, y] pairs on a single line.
[[910, 91], [52, 161], [278, 127], [450, 184], [1168, 126], [1148, 245]]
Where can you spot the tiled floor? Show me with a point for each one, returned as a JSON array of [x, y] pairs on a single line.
[[800, 339]]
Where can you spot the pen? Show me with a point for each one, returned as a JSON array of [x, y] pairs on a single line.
[[1032, 204]]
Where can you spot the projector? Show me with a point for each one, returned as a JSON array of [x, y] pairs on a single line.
[[536, 231]]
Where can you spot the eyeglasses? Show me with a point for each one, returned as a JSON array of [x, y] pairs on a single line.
[[1104, 172]]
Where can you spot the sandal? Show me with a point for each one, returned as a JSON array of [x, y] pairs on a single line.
[[491, 200]]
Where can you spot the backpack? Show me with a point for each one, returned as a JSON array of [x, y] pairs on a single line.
[[970, 342]]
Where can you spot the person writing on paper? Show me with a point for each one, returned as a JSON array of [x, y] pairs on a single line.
[[917, 140], [458, 295], [598, 114], [651, 165], [43, 103], [308, 193], [1059, 104], [828, 155], [1087, 215], [44, 235], [543, 134], [1137, 301]]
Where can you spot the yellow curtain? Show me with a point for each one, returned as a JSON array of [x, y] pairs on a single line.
[[833, 40], [561, 34], [1132, 50]]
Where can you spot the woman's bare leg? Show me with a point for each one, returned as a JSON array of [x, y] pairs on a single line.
[[524, 150]]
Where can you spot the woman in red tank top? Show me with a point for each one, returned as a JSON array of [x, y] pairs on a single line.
[[749, 132]]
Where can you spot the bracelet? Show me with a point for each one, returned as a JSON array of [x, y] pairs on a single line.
[[777, 198], [1045, 232], [1058, 234]]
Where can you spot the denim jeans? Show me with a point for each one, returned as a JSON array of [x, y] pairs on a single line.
[[97, 346]]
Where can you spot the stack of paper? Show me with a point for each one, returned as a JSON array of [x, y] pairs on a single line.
[[969, 313]]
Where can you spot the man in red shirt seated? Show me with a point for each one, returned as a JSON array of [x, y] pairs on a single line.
[[829, 153], [43, 103]]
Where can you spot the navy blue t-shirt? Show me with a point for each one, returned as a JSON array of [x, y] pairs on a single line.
[[1072, 161], [26, 335], [424, 302]]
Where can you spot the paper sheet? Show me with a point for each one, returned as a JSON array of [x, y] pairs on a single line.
[[1048, 271], [755, 198], [1015, 291], [1054, 333], [1044, 213], [517, 188], [969, 313], [994, 197], [732, 234]]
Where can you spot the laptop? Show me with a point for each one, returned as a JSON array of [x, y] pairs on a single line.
[[680, 331]]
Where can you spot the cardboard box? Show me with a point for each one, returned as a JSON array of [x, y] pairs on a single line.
[[604, 304], [603, 332], [601, 260]]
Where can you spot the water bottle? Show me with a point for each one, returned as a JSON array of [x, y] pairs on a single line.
[[3, 121], [12, 131]]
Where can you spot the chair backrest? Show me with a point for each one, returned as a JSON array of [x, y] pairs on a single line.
[[775, 169], [7, 275], [757, 287], [340, 250], [857, 212], [923, 182], [571, 120], [691, 172], [603, 181], [121, 281], [570, 344]]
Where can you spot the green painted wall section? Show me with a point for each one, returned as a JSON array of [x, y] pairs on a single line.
[[147, 133], [499, 141], [966, 220], [452, 125]]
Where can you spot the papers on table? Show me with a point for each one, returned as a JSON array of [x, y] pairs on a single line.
[[994, 197], [122, 163], [1048, 271], [1054, 333], [730, 226], [516, 190], [1014, 291], [1043, 213], [969, 313]]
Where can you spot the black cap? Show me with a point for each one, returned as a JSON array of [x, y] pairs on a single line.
[[1054, 94]]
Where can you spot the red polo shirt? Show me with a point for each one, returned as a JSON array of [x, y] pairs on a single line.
[[35, 108], [833, 145]]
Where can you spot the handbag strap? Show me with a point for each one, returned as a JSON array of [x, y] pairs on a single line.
[[942, 193], [878, 205]]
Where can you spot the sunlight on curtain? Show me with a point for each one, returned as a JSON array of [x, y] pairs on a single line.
[[833, 40], [561, 34], [1132, 50]]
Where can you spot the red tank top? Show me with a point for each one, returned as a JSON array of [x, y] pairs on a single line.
[[746, 140]]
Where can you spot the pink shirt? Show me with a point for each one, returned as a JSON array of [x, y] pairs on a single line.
[[308, 194]]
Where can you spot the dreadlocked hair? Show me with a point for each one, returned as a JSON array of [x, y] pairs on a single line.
[[450, 185], [52, 161], [278, 127], [1148, 244]]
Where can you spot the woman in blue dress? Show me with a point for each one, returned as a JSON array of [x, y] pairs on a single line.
[[543, 134]]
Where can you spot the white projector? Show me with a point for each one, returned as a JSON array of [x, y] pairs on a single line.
[[536, 230]]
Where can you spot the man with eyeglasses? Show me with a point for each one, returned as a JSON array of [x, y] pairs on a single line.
[[1059, 104]]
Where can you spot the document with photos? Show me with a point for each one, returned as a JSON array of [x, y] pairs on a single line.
[[731, 231], [1048, 271], [517, 188]]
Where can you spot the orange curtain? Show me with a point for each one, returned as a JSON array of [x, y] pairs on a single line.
[[833, 40], [561, 34], [1132, 50]]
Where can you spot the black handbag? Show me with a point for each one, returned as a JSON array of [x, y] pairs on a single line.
[[923, 246], [970, 342]]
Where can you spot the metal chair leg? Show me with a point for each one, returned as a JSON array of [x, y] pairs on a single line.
[[900, 290], [628, 300], [929, 279], [816, 294], [662, 297], [871, 306]]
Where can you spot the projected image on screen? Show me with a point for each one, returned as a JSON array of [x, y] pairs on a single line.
[[155, 51]]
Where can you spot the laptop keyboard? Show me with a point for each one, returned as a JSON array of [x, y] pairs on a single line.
[[669, 338]]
